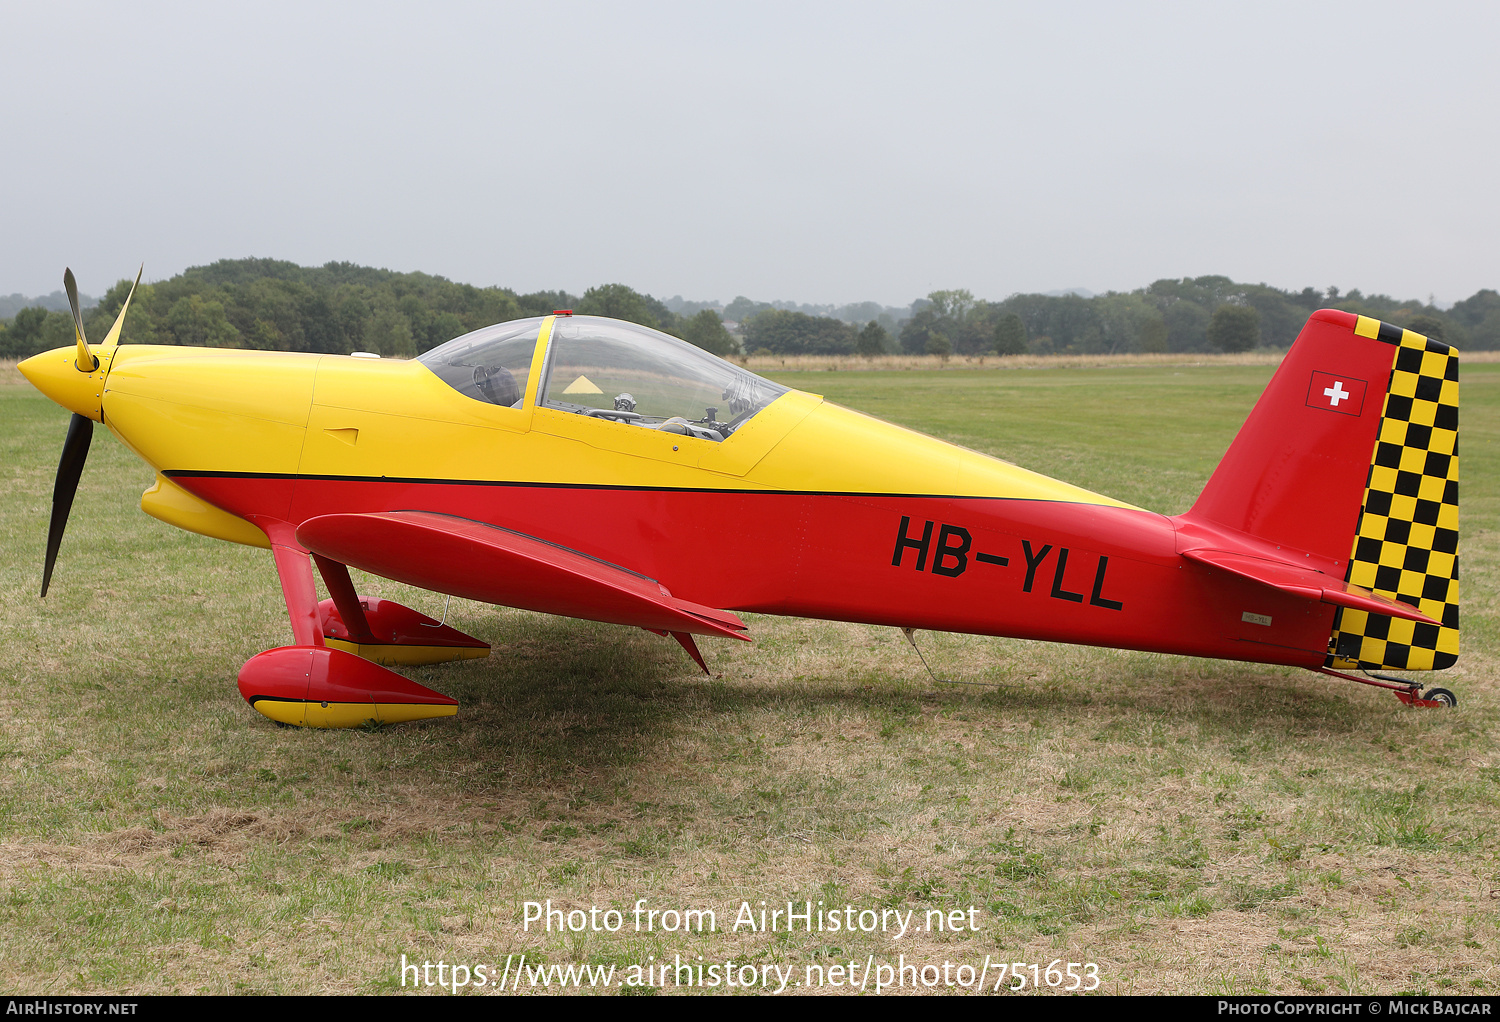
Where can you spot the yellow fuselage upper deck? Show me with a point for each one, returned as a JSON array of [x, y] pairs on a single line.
[[197, 410]]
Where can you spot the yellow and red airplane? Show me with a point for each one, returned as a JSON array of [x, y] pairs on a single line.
[[597, 469]]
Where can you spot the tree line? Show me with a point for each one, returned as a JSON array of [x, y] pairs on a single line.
[[1200, 314], [337, 308], [341, 307]]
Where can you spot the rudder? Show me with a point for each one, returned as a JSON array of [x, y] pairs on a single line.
[[1407, 543]]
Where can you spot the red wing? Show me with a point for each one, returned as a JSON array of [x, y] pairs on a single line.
[[1306, 583], [495, 565]]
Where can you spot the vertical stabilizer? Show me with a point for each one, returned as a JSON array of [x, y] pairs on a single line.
[[1348, 466], [1295, 475]]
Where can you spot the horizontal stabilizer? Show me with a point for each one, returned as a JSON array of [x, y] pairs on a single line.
[[1297, 580], [494, 565]]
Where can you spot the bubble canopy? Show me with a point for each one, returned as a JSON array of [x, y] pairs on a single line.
[[608, 369]]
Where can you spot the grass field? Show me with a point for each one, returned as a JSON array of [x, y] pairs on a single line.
[[1190, 826]]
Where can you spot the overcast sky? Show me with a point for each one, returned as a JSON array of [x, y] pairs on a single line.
[[802, 151]]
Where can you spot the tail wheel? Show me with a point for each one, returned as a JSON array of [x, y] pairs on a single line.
[[1442, 697]]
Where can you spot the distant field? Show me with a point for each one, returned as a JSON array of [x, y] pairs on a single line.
[[1190, 826], [771, 364]]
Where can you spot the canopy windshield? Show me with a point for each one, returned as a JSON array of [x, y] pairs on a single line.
[[614, 370], [490, 364]]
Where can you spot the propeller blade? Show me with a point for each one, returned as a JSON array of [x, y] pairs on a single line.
[[75, 452], [113, 337], [86, 362]]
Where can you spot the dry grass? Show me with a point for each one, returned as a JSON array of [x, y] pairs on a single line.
[[1191, 826]]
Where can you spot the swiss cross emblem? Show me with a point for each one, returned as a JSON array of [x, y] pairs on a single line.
[[1334, 393]]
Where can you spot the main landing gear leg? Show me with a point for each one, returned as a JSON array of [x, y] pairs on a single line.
[[1409, 692], [312, 685], [384, 631]]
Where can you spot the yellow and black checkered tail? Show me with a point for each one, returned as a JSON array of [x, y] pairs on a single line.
[[1406, 547]]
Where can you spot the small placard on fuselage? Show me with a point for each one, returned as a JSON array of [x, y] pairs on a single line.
[[1256, 619]]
